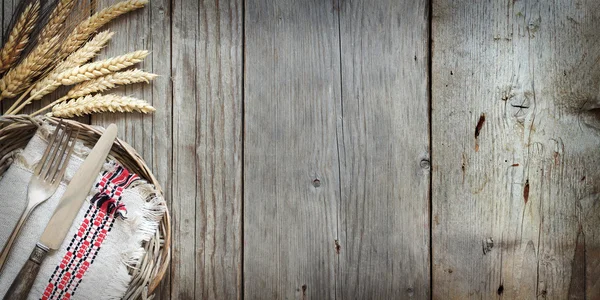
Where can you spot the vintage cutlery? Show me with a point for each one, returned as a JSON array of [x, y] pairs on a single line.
[[45, 179], [63, 216]]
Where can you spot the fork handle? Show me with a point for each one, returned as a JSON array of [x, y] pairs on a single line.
[[13, 237], [19, 289]]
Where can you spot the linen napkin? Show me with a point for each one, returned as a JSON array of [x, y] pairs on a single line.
[[120, 213]]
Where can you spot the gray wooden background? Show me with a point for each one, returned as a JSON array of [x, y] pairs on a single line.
[[357, 149]]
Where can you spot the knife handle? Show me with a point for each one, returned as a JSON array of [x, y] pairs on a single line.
[[19, 289], [13, 236]]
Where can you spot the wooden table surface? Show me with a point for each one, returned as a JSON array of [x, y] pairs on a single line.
[[360, 149]]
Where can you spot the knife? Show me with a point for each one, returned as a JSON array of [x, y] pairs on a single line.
[[64, 214]]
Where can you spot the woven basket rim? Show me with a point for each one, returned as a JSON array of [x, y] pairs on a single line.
[[150, 271]]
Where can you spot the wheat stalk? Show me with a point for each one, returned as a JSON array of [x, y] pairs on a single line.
[[100, 68], [110, 81], [86, 28], [19, 36], [100, 103], [88, 51]]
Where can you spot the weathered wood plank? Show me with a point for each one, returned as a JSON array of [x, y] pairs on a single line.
[[133, 32], [514, 199], [300, 129], [207, 136], [151, 135], [291, 183], [383, 137], [186, 164]]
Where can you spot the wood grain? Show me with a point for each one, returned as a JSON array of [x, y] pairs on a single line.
[[511, 204], [207, 158], [320, 123], [383, 141], [328, 140], [291, 181], [148, 28]]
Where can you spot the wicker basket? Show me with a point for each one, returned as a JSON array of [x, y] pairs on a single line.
[[15, 133]]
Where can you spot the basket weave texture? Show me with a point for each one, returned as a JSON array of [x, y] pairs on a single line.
[[15, 133]]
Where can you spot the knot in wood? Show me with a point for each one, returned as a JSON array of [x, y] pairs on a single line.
[[425, 164], [487, 245]]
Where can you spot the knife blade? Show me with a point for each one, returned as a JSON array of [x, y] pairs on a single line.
[[64, 214], [77, 190]]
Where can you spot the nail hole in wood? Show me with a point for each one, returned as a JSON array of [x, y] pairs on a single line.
[[316, 182]]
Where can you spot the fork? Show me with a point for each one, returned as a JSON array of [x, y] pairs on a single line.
[[46, 178]]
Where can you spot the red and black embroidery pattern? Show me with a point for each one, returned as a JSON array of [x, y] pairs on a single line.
[[99, 218]]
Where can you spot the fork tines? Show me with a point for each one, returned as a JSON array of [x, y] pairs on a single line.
[[54, 157]]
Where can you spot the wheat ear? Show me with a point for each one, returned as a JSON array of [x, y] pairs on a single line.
[[100, 103], [84, 73], [56, 21], [101, 84], [19, 78], [85, 53], [109, 81], [85, 29], [18, 37], [100, 68]]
